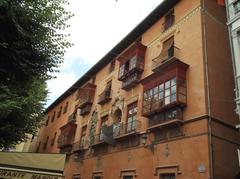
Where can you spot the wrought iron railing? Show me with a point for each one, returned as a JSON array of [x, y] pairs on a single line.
[[65, 140], [121, 129], [130, 81], [165, 116], [105, 96], [164, 57], [137, 66]]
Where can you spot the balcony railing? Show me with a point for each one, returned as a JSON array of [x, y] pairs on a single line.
[[123, 129], [137, 66], [86, 109], [72, 117], [65, 140], [131, 81], [169, 117], [98, 139], [168, 133], [79, 146], [164, 57], [104, 97]]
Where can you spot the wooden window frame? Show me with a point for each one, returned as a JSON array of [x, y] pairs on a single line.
[[168, 175], [133, 124], [65, 108], [53, 116], [76, 176], [112, 66], [104, 119], [169, 20], [160, 92], [47, 121], [59, 112]]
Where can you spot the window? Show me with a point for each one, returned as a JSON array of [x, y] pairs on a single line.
[[112, 66], [127, 177], [65, 108], [54, 138], [97, 177], [47, 121], [121, 70], [103, 123], [59, 112], [160, 95], [127, 66], [109, 86], [236, 6], [165, 116], [167, 176], [169, 20], [93, 79], [132, 63], [76, 176], [53, 117], [238, 87], [131, 117], [167, 133]]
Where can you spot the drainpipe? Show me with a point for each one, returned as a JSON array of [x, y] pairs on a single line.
[[205, 58]]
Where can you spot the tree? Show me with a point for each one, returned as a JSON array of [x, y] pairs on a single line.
[[32, 45]]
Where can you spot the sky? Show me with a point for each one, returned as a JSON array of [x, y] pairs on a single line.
[[97, 26]]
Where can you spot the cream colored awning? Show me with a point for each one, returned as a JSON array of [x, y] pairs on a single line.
[[15, 165]]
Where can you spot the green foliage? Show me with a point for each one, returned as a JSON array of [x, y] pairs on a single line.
[[32, 45]]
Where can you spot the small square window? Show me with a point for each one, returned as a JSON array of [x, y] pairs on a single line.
[[127, 177], [167, 176], [236, 6]]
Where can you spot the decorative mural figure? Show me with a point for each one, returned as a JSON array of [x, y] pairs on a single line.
[[93, 124]]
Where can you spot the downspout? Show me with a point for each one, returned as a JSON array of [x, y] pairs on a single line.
[[205, 60]]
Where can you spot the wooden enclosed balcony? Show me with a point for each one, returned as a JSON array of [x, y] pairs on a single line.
[[167, 55], [165, 118], [65, 140], [135, 65], [104, 97], [86, 95], [131, 81], [125, 129], [67, 135], [131, 65]]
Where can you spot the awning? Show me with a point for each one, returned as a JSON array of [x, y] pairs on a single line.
[[14, 165], [166, 46]]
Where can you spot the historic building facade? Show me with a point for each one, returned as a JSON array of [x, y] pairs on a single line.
[[159, 105]]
